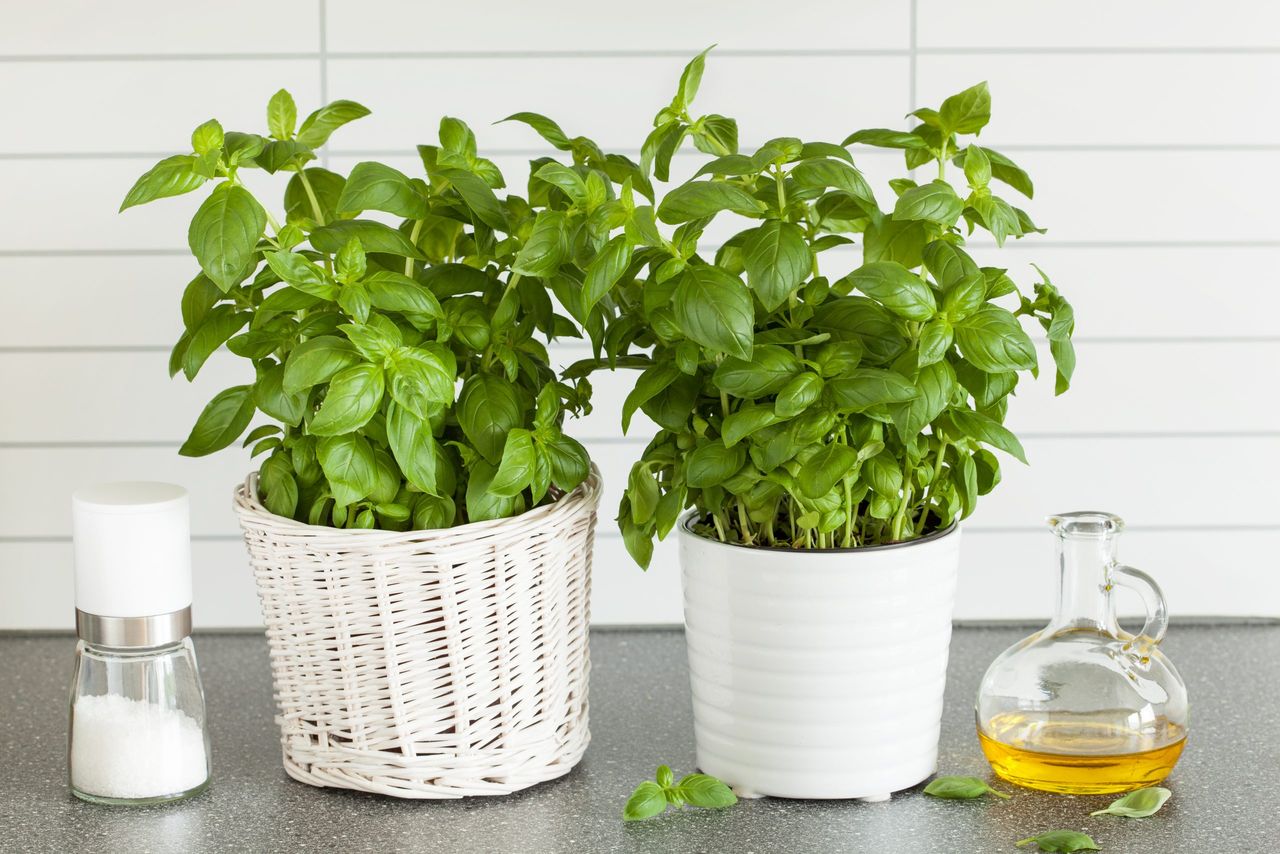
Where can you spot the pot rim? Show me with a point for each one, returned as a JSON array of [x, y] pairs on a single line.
[[250, 509], [686, 521]]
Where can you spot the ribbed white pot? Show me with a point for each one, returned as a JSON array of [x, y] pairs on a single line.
[[818, 674]]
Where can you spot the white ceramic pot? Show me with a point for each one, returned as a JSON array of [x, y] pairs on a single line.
[[818, 674]]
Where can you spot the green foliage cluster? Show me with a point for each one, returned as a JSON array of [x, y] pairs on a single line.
[[806, 405], [403, 365], [398, 325], [653, 797]]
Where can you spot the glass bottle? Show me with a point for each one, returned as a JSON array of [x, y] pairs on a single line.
[[1082, 706], [138, 733]]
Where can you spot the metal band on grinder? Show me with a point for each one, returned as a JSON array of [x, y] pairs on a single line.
[[133, 632]]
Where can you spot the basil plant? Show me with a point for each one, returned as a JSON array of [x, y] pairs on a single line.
[[402, 365], [807, 403]]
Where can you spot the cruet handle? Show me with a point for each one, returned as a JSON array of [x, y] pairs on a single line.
[[1145, 586]]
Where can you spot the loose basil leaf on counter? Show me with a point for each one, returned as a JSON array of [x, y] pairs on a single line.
[[960, 788], [696, 790], [1060, 842], [1139, 804]]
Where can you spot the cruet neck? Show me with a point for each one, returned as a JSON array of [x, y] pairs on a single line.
[[1086, 555]]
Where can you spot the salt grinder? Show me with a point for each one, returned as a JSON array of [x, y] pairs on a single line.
[[138, 732]]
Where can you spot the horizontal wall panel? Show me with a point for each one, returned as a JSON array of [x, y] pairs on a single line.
[[159, 27], [1118, 388], [1030, 95], [1151, 482], [1098, 24], [1003, 576], [669, 26], [144, 106], [1137, 292], [38, 578], [123, 301], [1202, 571], [56, 205], [613, 100]]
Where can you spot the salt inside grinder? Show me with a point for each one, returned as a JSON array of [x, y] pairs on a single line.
[[137, 731]]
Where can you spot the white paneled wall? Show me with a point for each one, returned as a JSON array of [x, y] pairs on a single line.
[[1148, 127]]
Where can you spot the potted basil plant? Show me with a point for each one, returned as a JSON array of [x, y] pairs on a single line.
[[420, 525], [829, 418]]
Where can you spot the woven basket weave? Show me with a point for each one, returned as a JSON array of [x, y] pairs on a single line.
[[428, 664]]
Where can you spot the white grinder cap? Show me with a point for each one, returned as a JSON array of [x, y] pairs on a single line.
[[132, 548]]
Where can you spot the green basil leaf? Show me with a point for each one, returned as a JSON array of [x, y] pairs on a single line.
[[172, 176], [288, 155], [714, 309], [650, 383], [317, 127], [316, 361], [570, 463], [691, 79], [413, 446], [218, 325], [1060, 842], [643, 492], [823, 173], [1003, 169], [483, 504], [297, 272], [350, 467], [866, 322], [932, 202], [604, 271], [984, 429], [479, 197], [902, 241], [884, 138], [282, 115], [422, 378], [768, 369], [935, 382], [565, 179], [868, 387], [221, 422], [935, 341], [777, 259], [225, 232], [207, 138], [487, 411], [994, 341], [542, 253], [962, 788], [896, 288], [515, 471], [798, 394], [271, 398], [377, 187], [977, 168], [967, 111], [745, 421], [711, 464], [276, 485], [698, 199], [353, 397], [1139, 804], [373, 236], [821, 472], [545, 127], [646, 801], [703, 790], [390, 291]]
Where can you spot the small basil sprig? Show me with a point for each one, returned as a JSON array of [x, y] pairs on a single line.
[[961, 788], [696, 790], [1062, 841], [1139, 804]]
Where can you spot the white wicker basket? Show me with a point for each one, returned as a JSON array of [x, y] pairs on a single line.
[[428, 664]]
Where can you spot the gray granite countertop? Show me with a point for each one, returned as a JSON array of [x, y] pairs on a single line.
[[1224, 788]]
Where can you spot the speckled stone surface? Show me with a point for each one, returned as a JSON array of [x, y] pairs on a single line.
[[1224, 788]]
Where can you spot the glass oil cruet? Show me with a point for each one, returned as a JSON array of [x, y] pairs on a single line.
[[1082, 706]]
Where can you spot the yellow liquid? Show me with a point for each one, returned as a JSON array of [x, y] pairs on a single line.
[[1082, 758]]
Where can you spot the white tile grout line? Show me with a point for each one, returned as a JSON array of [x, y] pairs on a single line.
[[322, 9], [914, 54], [640, 441], [1100, 147], [1089, 50]]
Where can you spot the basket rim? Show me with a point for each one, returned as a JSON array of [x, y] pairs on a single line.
[[584, 499]]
